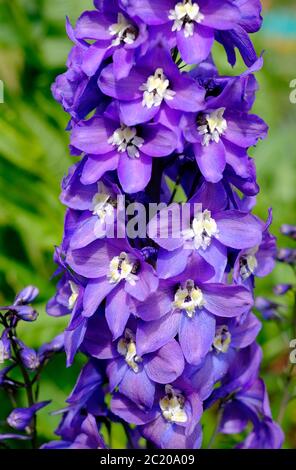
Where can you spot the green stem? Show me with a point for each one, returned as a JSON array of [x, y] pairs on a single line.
[[286, 396], [216, 429], [28, 387]]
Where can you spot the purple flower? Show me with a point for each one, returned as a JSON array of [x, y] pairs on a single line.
[[112, 145], [252, 404], [258, 260], [116, 272], [87, 397], [88, 393], [231, 334], [210, 230], [222, 131], [134, 375], [267, 434], [165, 318], [113, 34], [20, 305], [96, 204], [241, 374], [69, 293], [74, 90], [153, 84], [88, 437], [172, 422], [191, 25], [20, 418], [238, 37], [188, 306]]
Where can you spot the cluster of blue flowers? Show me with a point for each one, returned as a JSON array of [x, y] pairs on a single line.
[[166, 321]]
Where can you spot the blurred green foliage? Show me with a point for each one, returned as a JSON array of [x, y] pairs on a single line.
[[34, 157]]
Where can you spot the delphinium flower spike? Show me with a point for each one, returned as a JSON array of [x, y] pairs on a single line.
[[162, 305]]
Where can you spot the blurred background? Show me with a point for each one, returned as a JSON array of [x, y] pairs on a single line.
[[34, 157]]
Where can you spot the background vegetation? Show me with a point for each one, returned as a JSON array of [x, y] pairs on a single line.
[[34, 157]]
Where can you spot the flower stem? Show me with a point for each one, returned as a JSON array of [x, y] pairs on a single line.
[[27, 385], [216, 429]]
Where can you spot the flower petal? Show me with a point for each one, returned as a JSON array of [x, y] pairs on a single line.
[[196, 336], [134, 173], [166, 365]]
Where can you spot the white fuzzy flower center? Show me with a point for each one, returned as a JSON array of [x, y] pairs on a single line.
[[126, 140], [121, 268], [188, 298], [222, 339], [172, 406], [74, 295], [124, 32], [203, 228], [156, 89], [101, 203], [213, 126], [247, 265], [185, 15], [127, 348]]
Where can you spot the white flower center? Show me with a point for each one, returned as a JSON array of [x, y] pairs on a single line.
[[127, 348], [202, 230], [121, 268], [172, 406], [156, 89], [126, 140], [185, 15], [222, 339], [212, 126], [101, 203], [124, 32], [74, 295], [247, 265], [188, 298]]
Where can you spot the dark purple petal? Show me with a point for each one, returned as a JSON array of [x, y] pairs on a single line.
[[126, 409]]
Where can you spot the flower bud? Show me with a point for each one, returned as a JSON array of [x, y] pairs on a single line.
[[5, 347], [267, 308], [282, 289], [26, 313], [20, 418], [56, 345], [29, 356], [286, 255], [26, 296], [289, 231]]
